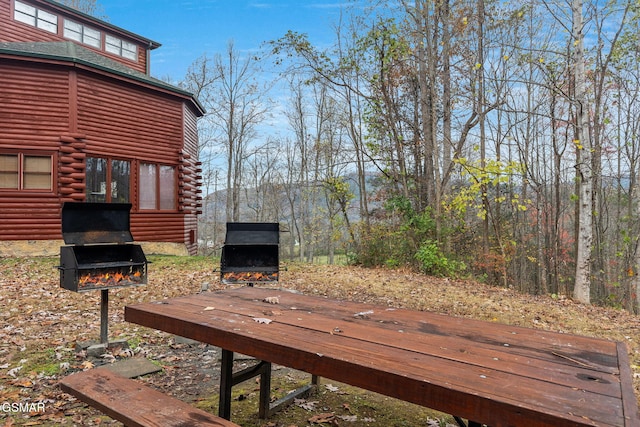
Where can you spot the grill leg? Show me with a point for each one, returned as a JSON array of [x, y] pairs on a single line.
[[104, 316]]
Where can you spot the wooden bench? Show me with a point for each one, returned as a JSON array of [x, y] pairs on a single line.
[[133, 403]]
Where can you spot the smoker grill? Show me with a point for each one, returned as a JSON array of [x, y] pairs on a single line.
[[98, 252], [250, 253]]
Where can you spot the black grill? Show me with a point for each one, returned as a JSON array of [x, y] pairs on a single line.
[[98, 252], [250, 253]]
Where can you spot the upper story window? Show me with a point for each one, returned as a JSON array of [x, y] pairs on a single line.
[[25, 172], [82, 33], [73, 30], [35, 17], [121, 47]]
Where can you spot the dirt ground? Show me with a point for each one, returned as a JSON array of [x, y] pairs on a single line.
[[42, 323]]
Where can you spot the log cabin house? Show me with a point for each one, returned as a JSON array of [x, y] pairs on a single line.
[[81, 119]]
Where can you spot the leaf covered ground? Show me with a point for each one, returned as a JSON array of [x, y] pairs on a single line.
[[42, 323]]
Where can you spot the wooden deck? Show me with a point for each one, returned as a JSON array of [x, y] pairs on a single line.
[[489, 373]]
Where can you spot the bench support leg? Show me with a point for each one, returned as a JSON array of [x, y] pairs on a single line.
[[296, 394], [265, 390], [461, 423], [226, 374], [228, 379]]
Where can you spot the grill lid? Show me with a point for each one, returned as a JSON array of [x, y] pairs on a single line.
[[252, 233], [86, 223]]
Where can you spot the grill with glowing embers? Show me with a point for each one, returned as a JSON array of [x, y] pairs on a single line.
[[98, 253], [110, 279], [250, 253]]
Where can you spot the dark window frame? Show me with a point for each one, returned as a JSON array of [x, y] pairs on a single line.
[[108, 181]]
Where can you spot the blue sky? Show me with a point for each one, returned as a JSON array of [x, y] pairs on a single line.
[[188, 29]]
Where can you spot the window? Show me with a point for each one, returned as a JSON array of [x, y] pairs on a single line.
[[35, 17], [157, 187], [108, 180], [167, 183], [25, 172], [81, 33], [120, 47], [9, 172]]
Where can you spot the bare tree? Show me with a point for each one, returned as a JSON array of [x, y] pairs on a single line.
[[90, 7], [235, 108]]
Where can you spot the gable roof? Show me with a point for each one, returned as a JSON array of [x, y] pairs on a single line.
[[67, 51]]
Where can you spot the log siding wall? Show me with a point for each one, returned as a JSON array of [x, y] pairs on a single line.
[[72, 112], [28, 121], [121, 120], [190, 187]]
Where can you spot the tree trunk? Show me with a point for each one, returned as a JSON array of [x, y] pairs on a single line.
[[480, 101], [582, 285]]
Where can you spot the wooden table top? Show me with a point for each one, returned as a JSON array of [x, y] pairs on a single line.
[[491, 373]]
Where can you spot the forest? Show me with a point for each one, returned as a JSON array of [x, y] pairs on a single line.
[[488, 139]]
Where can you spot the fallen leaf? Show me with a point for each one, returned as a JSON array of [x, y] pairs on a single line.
[[209, 308], [322, 418], [272, 300], [262, 320], [86, 365], [22, 382], [363, 314], [13, 372], [272, 313], [305, 404], [331, 387]]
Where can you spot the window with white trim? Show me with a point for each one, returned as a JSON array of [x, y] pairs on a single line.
[[33, 16], [82, 33], [22, 171], [121, 47]]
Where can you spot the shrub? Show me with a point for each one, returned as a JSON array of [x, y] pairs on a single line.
[[433, 261]]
